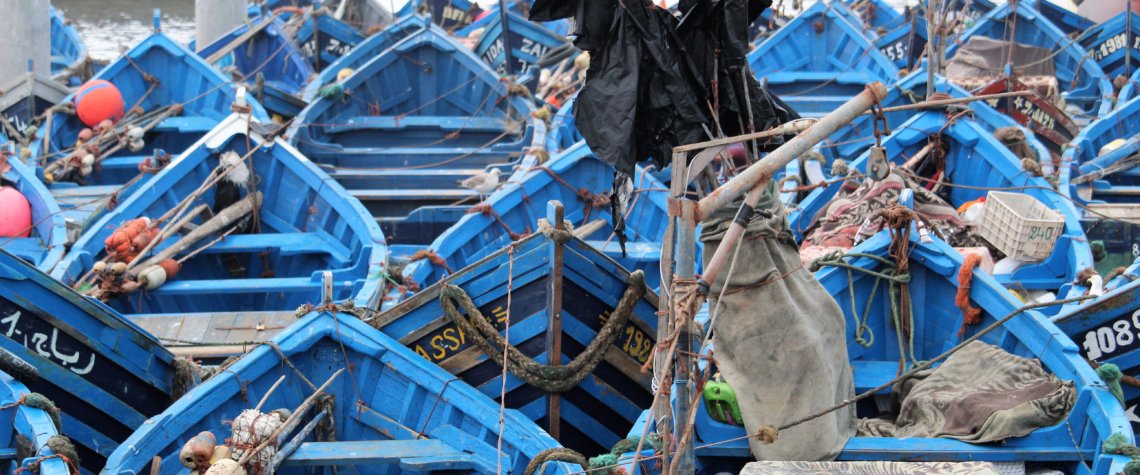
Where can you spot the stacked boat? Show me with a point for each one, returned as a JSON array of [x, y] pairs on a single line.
[[338, 240]]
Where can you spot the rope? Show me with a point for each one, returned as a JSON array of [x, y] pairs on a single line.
[[1119, 444], [971, 315], [557, 454], [486, 209], [1111, 375], [552, 379], [432, 257]]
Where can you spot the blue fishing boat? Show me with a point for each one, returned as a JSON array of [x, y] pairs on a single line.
[[24, 101], [1101, 159], [409, 125], [242, 228], [365, 15], [582, 182], [1129, 90], [563, 131], [325, 39], [819, 60], [1104, 329], [972, 161], [44, 246], [381, 408], [266, 61], [105, 375], [529, 42], [69, 62], [937, 325], [173, 96], [450, 15], [1068, 21], [1082, 84], [855, 138], [563, 301], [26, 442], [1114, 45], [363, 52], [877, 15]]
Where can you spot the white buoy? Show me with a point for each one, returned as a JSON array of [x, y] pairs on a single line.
[[214, 18], [25, 33]]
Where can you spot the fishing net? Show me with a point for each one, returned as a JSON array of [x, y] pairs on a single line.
[[779, 339]]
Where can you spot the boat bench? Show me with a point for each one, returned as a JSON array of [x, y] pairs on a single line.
[[449, 449], [446, 123], [403, 195], [869, 374], [179, 287], [288, 244], [186, 125], [800, 78]]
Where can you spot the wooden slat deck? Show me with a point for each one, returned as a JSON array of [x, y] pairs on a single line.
[[204, 335]]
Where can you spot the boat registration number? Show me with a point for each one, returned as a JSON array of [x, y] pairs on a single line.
[[1114, 44], [1113, 338]]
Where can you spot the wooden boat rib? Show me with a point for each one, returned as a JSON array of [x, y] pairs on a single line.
[[45, 246], [25, 443], [390, 412], [105, 374], [977, 162], [365, 51], [69, 62], [191, 96], [413, 122], [819, 60], [1082, 83], [556, 298], [258, 271], [514, 210], [1073, 446], [269, 63]]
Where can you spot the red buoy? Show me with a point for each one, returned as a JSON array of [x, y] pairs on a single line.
[[15, 213], [97, 101]]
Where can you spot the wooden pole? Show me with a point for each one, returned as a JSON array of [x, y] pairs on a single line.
[[293, 420], [225, 218], [555, 214]]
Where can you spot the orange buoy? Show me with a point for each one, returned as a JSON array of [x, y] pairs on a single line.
[[15, 213], [97, 101]]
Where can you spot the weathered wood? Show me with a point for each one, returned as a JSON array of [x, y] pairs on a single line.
[[555, 215], [226, 217], [870, 468], [292, 421], [442, 456]]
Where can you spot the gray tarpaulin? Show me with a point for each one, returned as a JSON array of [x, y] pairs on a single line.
[[780, 339], [980, 394], [986, 57]]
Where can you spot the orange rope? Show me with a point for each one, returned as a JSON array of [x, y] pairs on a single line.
[[971, 315]]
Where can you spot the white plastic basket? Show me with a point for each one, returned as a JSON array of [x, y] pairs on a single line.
[[1020, 226]]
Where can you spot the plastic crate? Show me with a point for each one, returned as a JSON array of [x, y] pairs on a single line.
[[1020, 226]]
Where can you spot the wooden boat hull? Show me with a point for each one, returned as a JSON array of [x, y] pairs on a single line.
[[106, 375], [26, 440], [1116, 188], [414, 121], [554, 298], [45, 246], [529, 42], [934, 268], [182, 78], [364, 51], [516, 207], [69, 62], [306, 226], [25, 99], [1083, 83], [269, 64], [976, 159], [1115, 45], [329, 41], [397, 412]]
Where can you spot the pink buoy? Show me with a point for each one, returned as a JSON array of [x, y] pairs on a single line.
[[15, 213]]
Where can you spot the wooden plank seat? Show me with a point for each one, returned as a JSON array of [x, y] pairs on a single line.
[[288, 244], [444, 123], [186, 125]]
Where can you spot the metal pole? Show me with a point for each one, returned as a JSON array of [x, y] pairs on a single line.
[[25, 32], [215, 18], [759, 173], [504, 36]]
